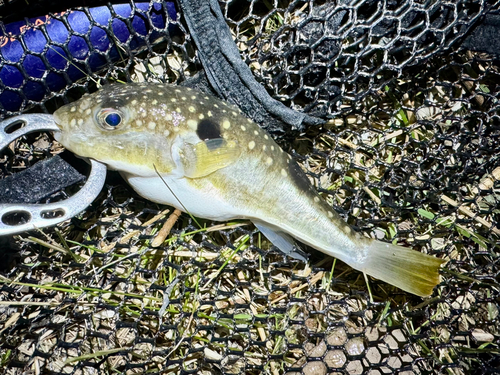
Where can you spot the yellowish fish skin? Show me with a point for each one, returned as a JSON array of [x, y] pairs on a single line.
[[220, 165]]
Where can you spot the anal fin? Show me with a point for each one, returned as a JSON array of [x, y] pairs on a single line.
[[282, 241]]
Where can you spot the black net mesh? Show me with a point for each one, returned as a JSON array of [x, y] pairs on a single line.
[[409, 152]]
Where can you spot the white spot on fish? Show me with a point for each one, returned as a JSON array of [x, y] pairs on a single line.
[[80, 121], [266, 136], [151, 125], [330, 214], [88, 111], [168, 117], [134, 102], [269, 161], [234, 113], [283, 172], [166, 133], [193, 97], [316, 199], [73, 109], [173, 100], [193, 124], [226, 124], [272, 148], [144, 114], [72, 122], [177, 118], [191, 109], [154, 102], [255, 132], [138, 122], [264, 148], [243, 128], [251, 145], [209, 114], [216, 106], [201, 116], [184, 98]]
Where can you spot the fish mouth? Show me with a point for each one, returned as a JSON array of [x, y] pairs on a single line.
[[58, 135], [57, 119]]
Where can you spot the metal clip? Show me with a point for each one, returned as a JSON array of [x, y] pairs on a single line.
[[44, 215]]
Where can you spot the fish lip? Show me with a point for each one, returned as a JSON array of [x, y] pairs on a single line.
[[57, 120]]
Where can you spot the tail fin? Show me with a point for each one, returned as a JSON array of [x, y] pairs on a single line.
[[410, 270]]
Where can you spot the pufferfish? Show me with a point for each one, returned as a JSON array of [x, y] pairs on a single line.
[[183, 148]]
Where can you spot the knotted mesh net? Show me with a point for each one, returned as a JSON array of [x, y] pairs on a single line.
[[408, 152]]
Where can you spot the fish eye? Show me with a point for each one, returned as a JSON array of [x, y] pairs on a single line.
[[113, 119], [110, 118]]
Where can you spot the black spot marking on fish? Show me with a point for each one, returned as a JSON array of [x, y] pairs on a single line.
[[208, 129], [298, 176]]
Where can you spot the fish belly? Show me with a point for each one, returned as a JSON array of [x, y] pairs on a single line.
[[179, 193]]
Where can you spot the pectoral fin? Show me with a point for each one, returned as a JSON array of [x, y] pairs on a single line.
[[206, 157], [281, 240]]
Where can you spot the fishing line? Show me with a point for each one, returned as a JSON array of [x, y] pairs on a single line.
[[178, 200]]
